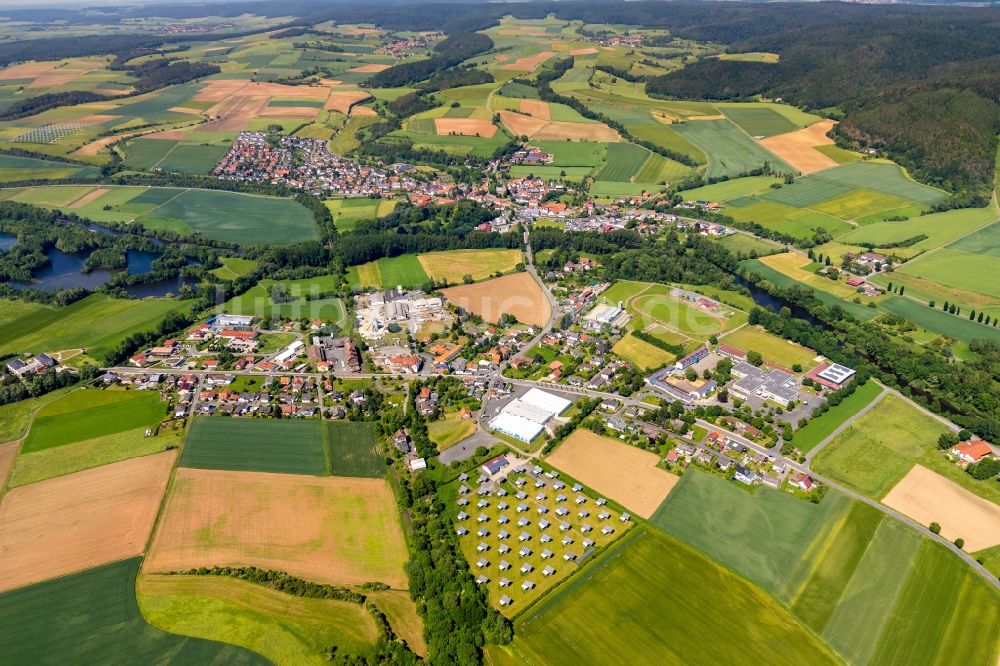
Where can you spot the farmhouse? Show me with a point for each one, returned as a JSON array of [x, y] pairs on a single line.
[[971, 451]]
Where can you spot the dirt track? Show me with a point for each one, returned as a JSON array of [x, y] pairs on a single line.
[[80, 520]]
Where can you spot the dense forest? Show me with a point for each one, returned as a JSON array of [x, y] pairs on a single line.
[[448, 53]]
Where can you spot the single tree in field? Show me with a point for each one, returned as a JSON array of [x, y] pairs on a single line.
[[935, 528]]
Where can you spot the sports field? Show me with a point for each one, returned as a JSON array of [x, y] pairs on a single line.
[[876, 451], [763, 535], [637, 605], [624, 473], [90, 413], [98, 323], [730, 151], [517, 294], [333, 530], [351, 449], [772, 348], [455, 265], [450, 430], [640, 353], [255, 445], [80, 520], [94, 613], [284, 628], [821, 427]]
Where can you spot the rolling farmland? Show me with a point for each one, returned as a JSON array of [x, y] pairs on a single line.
[[257, 445]]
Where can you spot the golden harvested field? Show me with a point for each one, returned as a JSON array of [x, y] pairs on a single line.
[[465, 127], [358, 110], [218, 90], [517, 294], [170, 135], [371, 68], [233, 113], [520, 124], [454, 265], [561, 131], [401, 612], [80, 520], [587, 51], [624, 473], [536, 108], [528, 63], [798, 147], [90, 196], [337, 530], [342, 100], [928, 497], [289, 112]]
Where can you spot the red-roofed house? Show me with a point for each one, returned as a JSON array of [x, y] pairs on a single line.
[[972, 451]]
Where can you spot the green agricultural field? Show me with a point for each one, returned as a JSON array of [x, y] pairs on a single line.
[[730, 151], [144, 154], [838, 154], [255, 445], [624, 161], [940, 228], [762, 536], [455, 265], [807, 191], [937, 321], [450, 430], [665, 137], [749, 245], [193, 158], [658, 169], [881, 177], [405, 270], [97, 323], [16, 417], [792, 114], [788, 220], [860, 203], [240, 218], [955, 268], [234, 267], [771, 347], [94, 613], [78, 417], [284, 628], [637, 603], [642, 354], [878, 449], [730, 189], [986, 241], [822, 426], [957, 614], [14, 169], [759, 121], [990, 559], [348, 212], [86, 454], [351, 449]]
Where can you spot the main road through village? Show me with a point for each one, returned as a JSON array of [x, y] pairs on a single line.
[[466, 448]]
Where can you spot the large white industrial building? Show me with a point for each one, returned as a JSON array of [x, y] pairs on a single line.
[[525, 417]]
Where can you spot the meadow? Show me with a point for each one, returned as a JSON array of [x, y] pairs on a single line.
[[822, 426], [234, 267], [639, 599], [306, 299], [802, 269], [878, 449], [450, 430], [351, 449], [730, 189], [759, 121], [955, 268], [404, 270], [788, 220], [91, 413], [257, 445], [95, 613], [283, 628], [97, 323], [640, 353], [938, 321], [348, 212], [940, 228], [762, 536]]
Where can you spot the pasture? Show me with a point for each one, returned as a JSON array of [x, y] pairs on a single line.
[[730, 151], [90, 413], [454, 265], [771, 347], [821, 427], [282, 627], [334, 530], [624, 473], [74, 522], [652, 585], [875, 452], [929, 497], [255, 445], [517, 294], [762, 536], [95, 612], [351, 449]]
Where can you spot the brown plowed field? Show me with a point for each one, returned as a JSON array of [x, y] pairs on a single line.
[[342, 100], [517, 294], [624, 473], [7, 454], [82, 520], [370, 68], [289, 112], [520, 124], [88, 197], [528, 63], [798, 147], [233, 114], [465, 127], [536, 108], [560, 131], [337, 530]]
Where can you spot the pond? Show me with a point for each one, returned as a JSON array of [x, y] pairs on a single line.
[[63, 271], [7, 241]]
